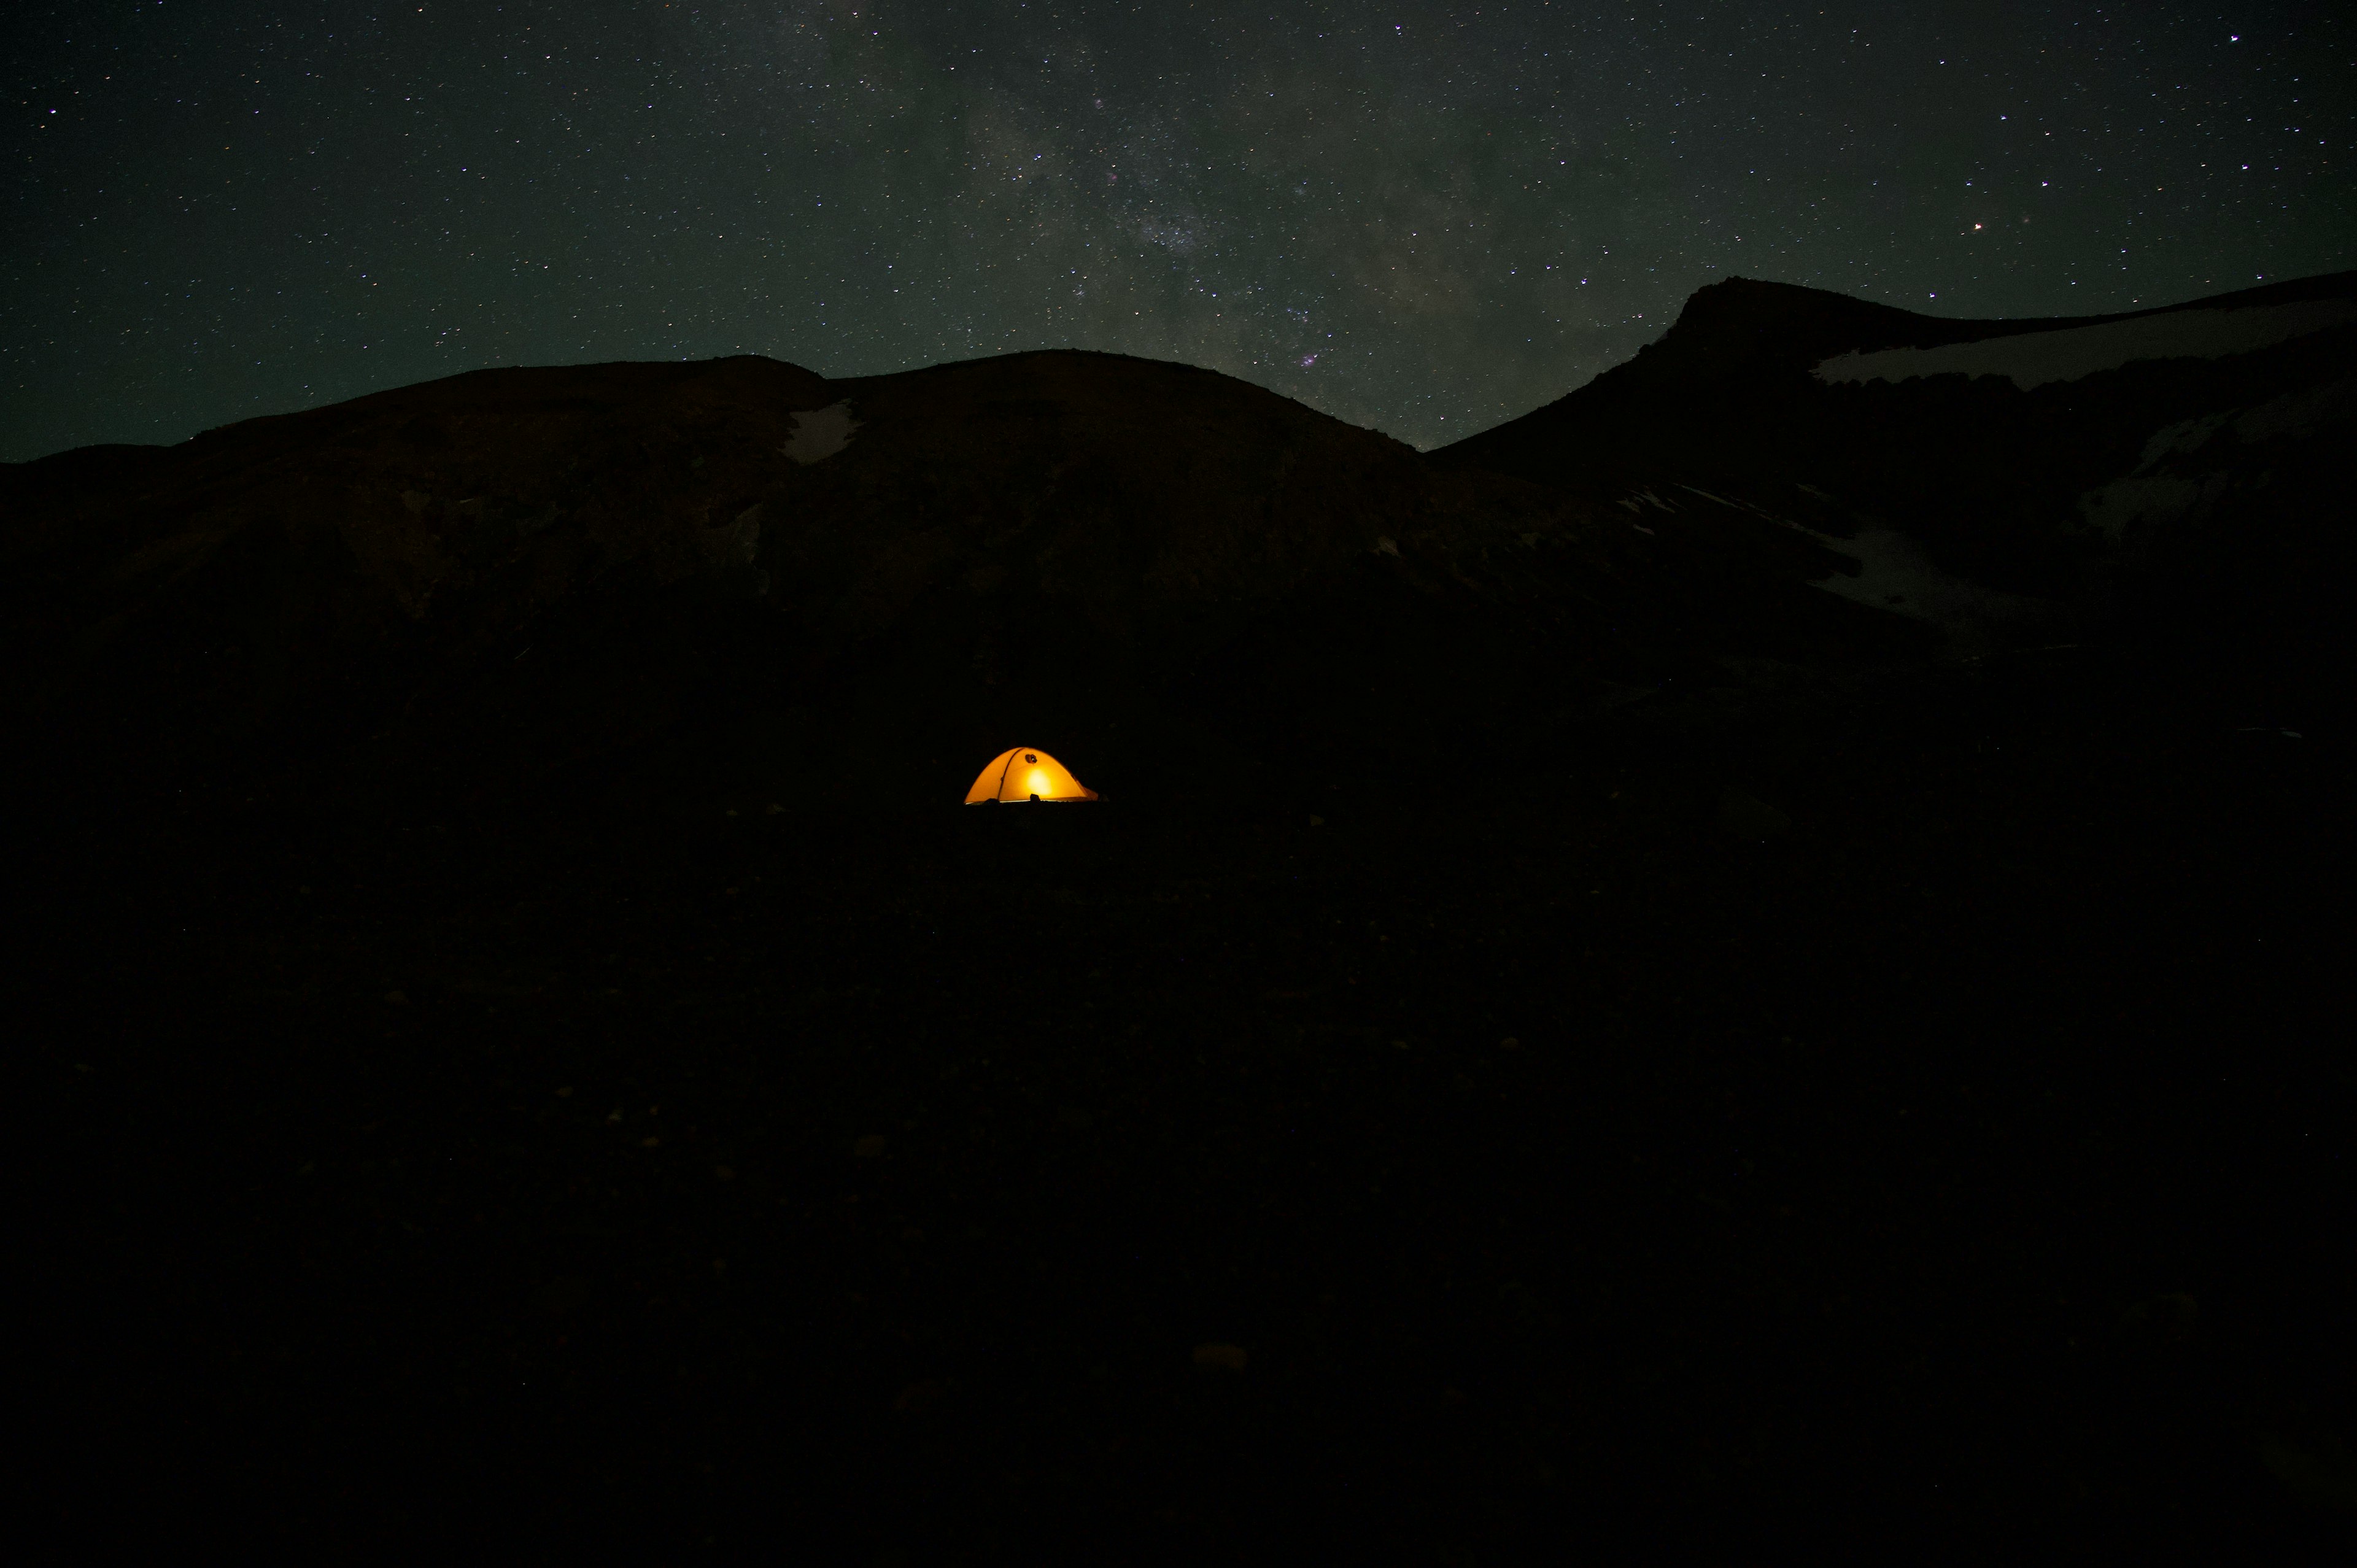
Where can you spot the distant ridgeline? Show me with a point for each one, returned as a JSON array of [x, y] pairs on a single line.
[[516, 583], [2181, 475]]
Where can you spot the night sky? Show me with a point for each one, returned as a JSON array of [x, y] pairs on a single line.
[[1417, 217]]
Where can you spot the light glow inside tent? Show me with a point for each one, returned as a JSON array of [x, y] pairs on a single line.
[[1025, 773]]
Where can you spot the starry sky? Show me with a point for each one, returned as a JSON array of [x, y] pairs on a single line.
[[1423, 218]]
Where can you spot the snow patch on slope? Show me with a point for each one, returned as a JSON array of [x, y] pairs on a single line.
[[1895, 575], [2168, 484], [2299, 413], [2033, 358], [2147, 500], [820, 433]]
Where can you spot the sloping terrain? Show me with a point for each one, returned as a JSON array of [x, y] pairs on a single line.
[[486, 585], [2178, 476], [1558, 1031]]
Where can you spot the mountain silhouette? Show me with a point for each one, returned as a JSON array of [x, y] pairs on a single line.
[[516, 572], [2177, 476], [494, 580], [1739, 953]]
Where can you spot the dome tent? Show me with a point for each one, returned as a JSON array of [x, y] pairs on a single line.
[[1026, 773]]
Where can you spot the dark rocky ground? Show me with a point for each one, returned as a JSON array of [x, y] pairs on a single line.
[[1559, 1036], [1961, 1168]]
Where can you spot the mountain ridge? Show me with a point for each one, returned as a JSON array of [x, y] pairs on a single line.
[[565, 563], [2106, 489], [514, 572]]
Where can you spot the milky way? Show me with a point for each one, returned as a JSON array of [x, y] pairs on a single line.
[[1419, 218]]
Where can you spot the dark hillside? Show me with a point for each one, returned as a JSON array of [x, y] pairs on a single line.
[[2193, 502], [514, 580], [1558, 1031], [1736, 341]]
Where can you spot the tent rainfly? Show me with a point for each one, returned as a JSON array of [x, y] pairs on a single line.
[[1026, 773]]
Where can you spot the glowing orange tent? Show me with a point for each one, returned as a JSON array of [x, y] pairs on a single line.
[[1026, 773]]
